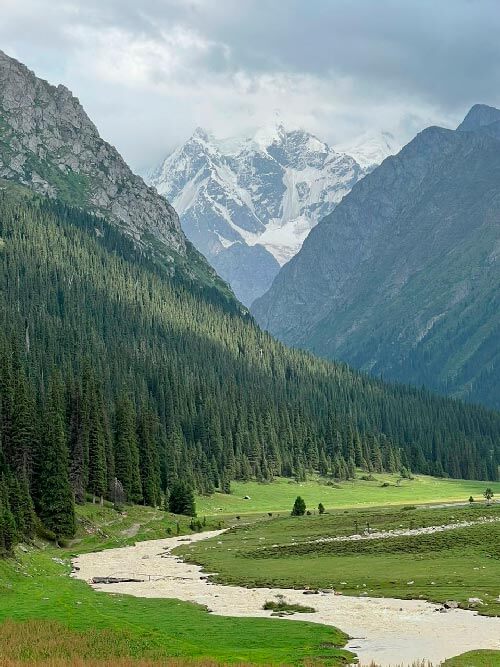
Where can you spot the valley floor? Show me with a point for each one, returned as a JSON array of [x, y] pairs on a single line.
[[386, 631], [388, 562]]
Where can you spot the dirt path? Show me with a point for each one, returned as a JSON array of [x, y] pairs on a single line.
[[132, 531], [385, 630], [397, 532]]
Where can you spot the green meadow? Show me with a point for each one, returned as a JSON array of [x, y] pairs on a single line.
[[51, 619], [384, 489]]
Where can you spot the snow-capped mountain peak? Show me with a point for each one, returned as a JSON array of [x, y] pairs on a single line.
[[371, 148], [256, 196]]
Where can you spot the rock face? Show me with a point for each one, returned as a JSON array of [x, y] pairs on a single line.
[[248, 203], [403, 278], [48, 143]]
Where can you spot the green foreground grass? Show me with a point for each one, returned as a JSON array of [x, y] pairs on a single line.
[[279, 495], [35, 588], [475, 659], [283, 552]]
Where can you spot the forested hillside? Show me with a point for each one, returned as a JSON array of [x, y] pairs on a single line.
[[48, 142], [402, 279], [117, 377]]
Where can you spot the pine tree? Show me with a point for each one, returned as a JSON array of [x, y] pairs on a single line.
[[323, 464], [149, 458], [21, 506], [97, 483], [7, 529], [181, 500], [23, 427], [54, 497], [299, 507], [79, 431], [126, 445]]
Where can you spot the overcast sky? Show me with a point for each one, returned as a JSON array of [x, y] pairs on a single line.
[[149, 71]]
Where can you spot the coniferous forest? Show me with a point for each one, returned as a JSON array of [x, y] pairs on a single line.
[[118, 380]]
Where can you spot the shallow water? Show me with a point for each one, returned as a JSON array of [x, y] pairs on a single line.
[[384, 630]]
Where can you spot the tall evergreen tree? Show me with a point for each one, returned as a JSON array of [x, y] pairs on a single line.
[[126, 451], [181, 500], [54, 496], [149, 458]]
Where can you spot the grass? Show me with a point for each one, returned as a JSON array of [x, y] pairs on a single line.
[[475, 659], [281, 605], [281, 493], [281, 552], [52, 644], [482, 658], [104, 528], [93, 626]]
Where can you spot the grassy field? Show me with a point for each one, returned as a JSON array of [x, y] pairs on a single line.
[[282, 552], [475, 659], [91, 626], [280, 494], [104, 528]]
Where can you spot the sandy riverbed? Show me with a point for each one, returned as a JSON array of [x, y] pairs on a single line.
[[385, 630]]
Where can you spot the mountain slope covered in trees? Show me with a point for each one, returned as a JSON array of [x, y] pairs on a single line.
[[48, 142], [117, 379], [403, 278]]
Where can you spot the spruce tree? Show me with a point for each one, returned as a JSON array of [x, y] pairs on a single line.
[[79, 431], [97, 483], [54, 497], [149, 458], [181, 500], [299, 507], [125, 444]]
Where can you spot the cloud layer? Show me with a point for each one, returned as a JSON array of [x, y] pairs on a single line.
[[148, 72]]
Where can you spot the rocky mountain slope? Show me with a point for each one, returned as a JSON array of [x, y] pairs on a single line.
[[403, 278], [248, 203], [48, 143]]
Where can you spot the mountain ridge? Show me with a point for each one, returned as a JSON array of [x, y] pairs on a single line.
[[120, 376], [48, 142], [397, 263], [263, 192]]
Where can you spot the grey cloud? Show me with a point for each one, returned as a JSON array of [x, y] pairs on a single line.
[[367, 64]]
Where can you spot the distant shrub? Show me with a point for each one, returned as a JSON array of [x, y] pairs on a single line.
[[44, 533], [280, 604]]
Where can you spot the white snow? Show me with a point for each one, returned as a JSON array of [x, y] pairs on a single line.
[[187, 196], [210, 179], [371, 148]]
